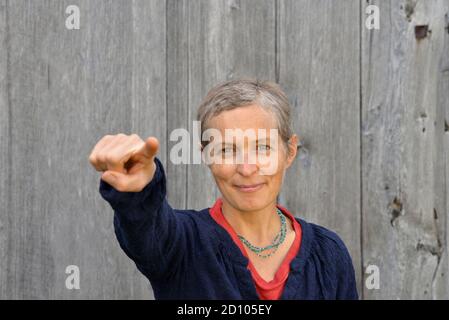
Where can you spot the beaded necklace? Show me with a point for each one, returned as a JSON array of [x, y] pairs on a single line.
[[278, 240]]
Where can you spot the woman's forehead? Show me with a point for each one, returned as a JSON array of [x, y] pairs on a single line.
[[247, 117]]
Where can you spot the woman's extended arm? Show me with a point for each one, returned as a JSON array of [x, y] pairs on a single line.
[[146, 226]]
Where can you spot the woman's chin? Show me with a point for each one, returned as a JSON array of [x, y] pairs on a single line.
[[249, 203]]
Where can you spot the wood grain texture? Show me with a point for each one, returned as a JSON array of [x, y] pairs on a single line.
[[441, 276], [405, 94], [68, 89], [4, 146], [318, 60], [371, 108], [177, 96]]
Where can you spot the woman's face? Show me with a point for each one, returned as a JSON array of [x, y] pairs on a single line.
[[245, 185]]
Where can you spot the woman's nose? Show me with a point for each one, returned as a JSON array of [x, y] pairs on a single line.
[[247, 168]]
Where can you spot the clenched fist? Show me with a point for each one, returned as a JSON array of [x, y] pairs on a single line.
[[127, 162]]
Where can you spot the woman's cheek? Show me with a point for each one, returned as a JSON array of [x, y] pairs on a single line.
[[221, 174]]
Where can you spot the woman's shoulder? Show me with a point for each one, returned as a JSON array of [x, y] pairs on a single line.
[[328, 255], [324, 242], [325, 236]]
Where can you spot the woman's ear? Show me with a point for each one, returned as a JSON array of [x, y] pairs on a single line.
[[292, 149]]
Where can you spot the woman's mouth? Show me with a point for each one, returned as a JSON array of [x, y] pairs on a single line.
[[249, 187]]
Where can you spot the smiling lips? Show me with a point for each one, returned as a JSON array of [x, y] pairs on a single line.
[[249, 187]]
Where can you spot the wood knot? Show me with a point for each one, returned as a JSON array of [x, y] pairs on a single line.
[[422, 31], [396, 210]]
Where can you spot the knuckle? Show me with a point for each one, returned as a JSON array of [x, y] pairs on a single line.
[[101, 158], [132, 138], [110, 158], [92, 159], [103, 140]]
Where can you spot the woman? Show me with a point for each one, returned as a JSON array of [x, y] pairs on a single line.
[[246, 246]]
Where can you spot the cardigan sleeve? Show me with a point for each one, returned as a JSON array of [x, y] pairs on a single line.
[[147, 227], [346, 283]]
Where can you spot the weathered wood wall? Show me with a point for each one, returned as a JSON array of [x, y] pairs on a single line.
[[371, 107], [405, 105], [319, 68]]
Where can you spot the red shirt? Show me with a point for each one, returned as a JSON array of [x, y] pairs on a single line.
[[271, 290]]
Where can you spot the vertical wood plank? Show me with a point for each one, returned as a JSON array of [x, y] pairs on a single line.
[[30, 264], [319, 62], [405, 184], [4, 146], [227, 39], [441, 276], [177, 97]]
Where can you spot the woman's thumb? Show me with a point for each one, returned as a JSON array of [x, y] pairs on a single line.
[[151, 147]]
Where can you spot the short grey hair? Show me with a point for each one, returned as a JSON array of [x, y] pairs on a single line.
[[237, 93]]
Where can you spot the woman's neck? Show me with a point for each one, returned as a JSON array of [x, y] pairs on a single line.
[[259, 226]]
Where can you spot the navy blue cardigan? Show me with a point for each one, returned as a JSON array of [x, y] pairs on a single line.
[[185, 254]]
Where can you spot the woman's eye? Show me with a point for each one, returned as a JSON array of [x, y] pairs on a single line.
[[227, 150], [263, 147]]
